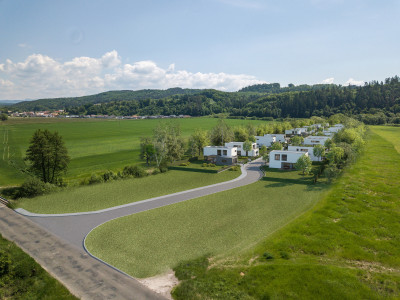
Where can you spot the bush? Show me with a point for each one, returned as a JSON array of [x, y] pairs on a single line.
[[284, 255], [109, 175], [268, 256], [5, 263], [234, 168], [155, 172], [185, 164], [204, 165], [33, 187], [95, 179], [135, 171], [196, 158], [211, 165]]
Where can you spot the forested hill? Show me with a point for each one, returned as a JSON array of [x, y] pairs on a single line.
[[275, 88], [372, 98], [123, 95]]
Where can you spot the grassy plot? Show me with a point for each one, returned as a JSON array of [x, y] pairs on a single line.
[[348, 247], [228, 222], [94, 145], [99, 196], [22, 278]]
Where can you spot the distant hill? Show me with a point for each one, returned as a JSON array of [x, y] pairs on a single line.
[[9, 102], [123, 95], [275, 88]]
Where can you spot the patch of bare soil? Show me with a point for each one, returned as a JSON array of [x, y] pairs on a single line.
[[161, 284]]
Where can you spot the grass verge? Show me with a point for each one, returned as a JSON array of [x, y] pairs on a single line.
[[22, 278], [109, 194], [348, 247], [225, 223]]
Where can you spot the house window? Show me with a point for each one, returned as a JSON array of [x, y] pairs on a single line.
[[218, 152], [239, 153], [284, 157], [304, 150], [277, 157], [225, 152]]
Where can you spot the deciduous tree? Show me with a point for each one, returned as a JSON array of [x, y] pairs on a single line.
[[303, 164]]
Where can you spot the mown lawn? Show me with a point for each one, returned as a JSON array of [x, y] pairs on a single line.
[[22, 278], [104, 195], [94, 145], [347, 247], [221, 224]]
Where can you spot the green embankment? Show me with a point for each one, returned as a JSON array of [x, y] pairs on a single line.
[[22, 278], [94, 145], [99, 196], [348, 247], [225, 223]]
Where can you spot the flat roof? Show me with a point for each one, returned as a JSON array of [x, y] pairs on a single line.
[[288, 151]]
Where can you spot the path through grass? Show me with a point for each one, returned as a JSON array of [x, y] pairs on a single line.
[[228, 222]]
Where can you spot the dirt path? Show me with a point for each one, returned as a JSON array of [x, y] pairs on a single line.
[[84, 276]]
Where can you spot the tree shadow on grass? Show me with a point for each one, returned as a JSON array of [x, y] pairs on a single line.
[[306, 181]]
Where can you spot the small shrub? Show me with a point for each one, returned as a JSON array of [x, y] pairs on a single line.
[[5, 263], [163, 169], [234, 168], [33, 187], [268, 256], [155, 172], [135, 171], [95, 179], [211, 165], [284, 255], [185, 164], [109, 175], [204, 165]]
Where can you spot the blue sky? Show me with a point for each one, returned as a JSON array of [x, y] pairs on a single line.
[[72, 48]]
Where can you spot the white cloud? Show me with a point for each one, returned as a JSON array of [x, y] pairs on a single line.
[[22, 45], [328, 80], [352, 81], [40, 76]]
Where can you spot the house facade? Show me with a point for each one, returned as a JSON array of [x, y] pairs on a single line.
[[296, 131], [267, 140], [315, 140], [284, 159], [220, 155], [305, 149], [240, 152]]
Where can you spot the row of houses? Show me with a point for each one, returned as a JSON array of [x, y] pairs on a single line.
[[282, 159], [61, 114]]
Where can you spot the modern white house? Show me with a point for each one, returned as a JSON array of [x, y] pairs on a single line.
[[239, 145], [296, 131], [305, 149], [334, 129], [283, 159], [328, 133], [267, 140], [220, 155], [315, 140]]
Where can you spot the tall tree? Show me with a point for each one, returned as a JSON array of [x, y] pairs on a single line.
[[197, 141], [247, 146], [304, 164], [47, 155], [221, 133], [319, 151], [147, 149]]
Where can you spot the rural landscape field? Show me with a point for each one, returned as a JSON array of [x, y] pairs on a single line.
[[190, 150]]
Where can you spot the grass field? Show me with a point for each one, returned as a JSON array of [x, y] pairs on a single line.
[[99, 196], [22, 278], [94, 145], [225, 223], [347, 247]]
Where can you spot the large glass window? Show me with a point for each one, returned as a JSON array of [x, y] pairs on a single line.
[[284, 157], [225, 152], [277, 157]]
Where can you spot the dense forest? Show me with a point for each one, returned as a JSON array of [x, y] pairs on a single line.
[[374, 103]]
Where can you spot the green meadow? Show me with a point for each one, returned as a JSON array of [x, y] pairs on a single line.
[[94, 145], [346, 247], [113, 193], [221, 224]]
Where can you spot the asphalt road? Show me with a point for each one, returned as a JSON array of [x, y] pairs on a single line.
[[73, 228]]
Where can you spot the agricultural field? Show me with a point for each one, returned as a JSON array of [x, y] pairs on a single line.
[[22, 278], [221, 224], [346, 247], [94, 145], [109, 194]]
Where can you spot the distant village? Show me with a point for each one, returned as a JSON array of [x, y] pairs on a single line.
[[62, 114]]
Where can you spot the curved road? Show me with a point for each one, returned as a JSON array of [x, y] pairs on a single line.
[[74, 227]]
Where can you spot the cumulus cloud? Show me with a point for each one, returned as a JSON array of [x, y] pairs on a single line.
[[352, 81], [40, 76], [328, 80]]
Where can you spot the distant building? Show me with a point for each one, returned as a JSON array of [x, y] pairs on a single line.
[[315, 140], [283, 159], [220, 155], [241, 152]]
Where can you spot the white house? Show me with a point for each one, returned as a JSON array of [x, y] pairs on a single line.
[[267, 140], [328, 133], [220, 155], [309, 150], [296, 131], [283, 159], [315, 140], [334, 129], [241, 152]]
